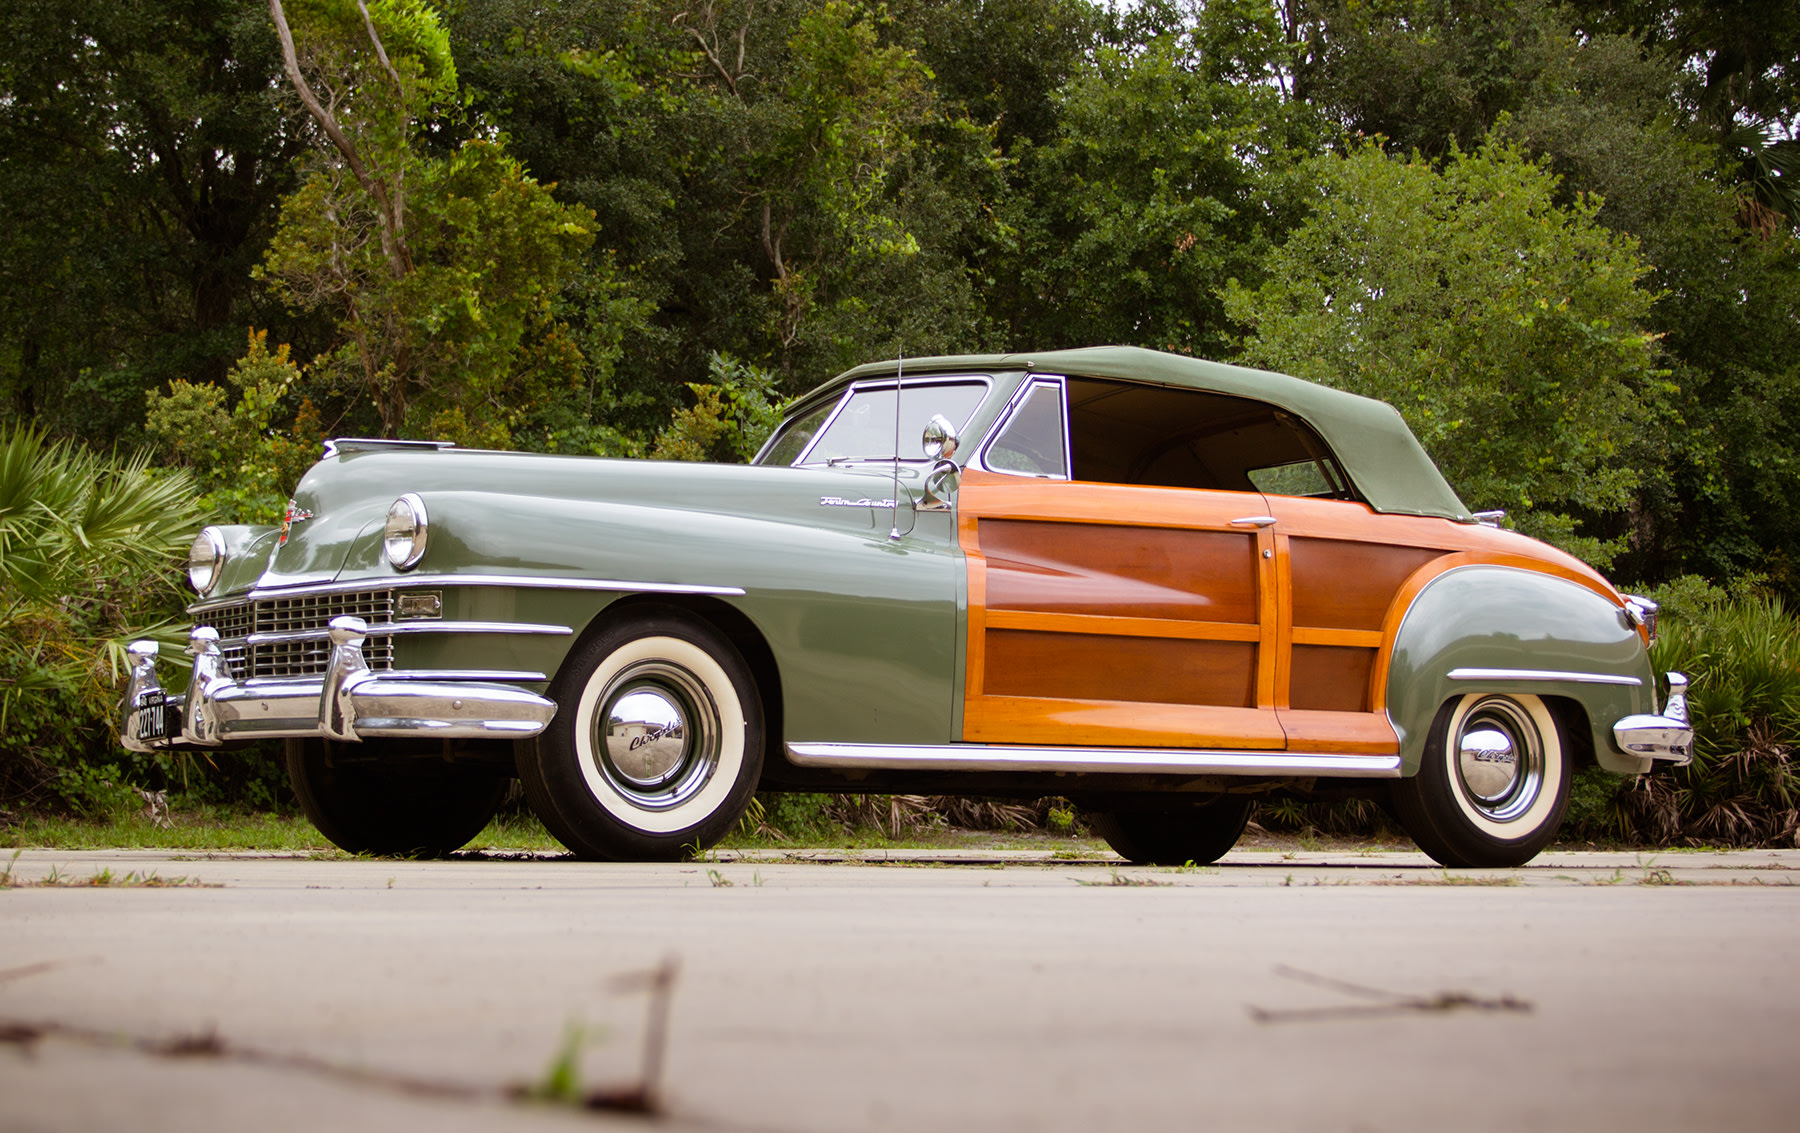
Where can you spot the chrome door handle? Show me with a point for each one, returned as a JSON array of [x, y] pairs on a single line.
[[1254, 521]]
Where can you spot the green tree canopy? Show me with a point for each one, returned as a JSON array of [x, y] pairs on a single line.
[[1506, 328], [440, 270]]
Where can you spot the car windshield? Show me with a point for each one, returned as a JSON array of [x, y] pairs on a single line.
[[862, 427]]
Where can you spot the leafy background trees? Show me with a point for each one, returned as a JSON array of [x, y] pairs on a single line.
[[1571, 227], [1559, 236]]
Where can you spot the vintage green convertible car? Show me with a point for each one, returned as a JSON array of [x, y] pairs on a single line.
[[1158, 586]]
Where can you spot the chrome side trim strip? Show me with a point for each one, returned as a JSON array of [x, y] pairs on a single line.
[[1093, 760], [1542, 675], [380, 628], [396, 582]]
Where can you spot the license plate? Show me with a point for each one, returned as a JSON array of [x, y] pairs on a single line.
[[153, 712]]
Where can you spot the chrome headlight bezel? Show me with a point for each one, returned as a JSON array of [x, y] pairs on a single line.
[[403, 538], [206, 560]]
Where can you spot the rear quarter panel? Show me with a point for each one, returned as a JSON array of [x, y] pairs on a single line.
[[1502, 617]]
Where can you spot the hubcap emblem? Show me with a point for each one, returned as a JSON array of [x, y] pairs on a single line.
[[646, 737]]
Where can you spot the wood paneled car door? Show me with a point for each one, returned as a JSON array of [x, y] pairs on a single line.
[[1107, 613]]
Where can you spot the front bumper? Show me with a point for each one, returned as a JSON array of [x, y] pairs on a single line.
[[1668, 737], [349, 702]]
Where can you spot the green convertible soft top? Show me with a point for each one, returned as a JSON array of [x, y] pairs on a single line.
[[1377, 450]]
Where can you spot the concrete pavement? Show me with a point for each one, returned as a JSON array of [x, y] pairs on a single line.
[[957, 990]]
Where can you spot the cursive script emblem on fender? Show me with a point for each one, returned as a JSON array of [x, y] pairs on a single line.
[[839, 501]]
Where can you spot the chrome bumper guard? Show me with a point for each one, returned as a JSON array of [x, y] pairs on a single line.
[[1668, 736], [350, 702]]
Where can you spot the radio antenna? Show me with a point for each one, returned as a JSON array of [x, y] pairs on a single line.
[[899, 382]]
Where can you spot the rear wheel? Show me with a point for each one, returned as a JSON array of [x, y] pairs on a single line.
[[656, 747], [1199, 834], [405, 806], [1493, 785]]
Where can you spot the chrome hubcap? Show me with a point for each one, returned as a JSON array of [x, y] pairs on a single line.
[[1499, 759], [656, 736]]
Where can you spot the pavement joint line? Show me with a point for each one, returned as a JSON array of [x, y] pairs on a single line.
[[641, 1098]]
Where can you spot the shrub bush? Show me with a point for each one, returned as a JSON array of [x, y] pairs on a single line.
[[89, 544], [1742, 657]]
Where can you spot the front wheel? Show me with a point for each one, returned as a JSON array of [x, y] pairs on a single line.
[[1199, 834], [1493, 784], [656, 747], [397, 805]]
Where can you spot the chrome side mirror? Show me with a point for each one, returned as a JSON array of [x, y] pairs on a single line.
[[940, 439], [940, 485]]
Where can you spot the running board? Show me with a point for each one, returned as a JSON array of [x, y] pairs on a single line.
[[1094, 760]]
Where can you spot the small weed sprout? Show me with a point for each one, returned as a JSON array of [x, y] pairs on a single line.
[[562, 1079], [719, 880]]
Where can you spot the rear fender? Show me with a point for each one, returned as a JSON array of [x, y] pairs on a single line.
[[1534, 634]]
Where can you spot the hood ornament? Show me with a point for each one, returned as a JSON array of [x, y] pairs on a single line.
[[295, 514]]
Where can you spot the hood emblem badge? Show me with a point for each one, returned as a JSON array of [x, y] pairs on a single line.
[[295, 514]]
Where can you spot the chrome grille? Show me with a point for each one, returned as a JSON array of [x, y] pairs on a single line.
[[309, 613]]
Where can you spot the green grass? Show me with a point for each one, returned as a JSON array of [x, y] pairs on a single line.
[[515, 831], [201, 828]]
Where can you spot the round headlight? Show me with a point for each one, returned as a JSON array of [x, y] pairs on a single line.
[[404, 539], [205, 558]]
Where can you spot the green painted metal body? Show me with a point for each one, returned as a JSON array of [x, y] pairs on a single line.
[[865, 627], [1506, 618]]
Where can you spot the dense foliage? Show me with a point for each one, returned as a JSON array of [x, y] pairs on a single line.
[[1561, 237], [86, 542]]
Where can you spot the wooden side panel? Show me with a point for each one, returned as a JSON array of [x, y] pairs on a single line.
[[1103, 723], [1134, 572], [1107, 667], [1331, 678], [1340, 584], [1366, 733]]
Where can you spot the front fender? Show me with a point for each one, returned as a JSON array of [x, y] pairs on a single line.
[[1518, 621]]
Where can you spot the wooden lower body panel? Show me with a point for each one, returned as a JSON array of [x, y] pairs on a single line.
[[1042, 720]]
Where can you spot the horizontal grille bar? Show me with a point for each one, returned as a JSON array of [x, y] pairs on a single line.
[[299, 657]]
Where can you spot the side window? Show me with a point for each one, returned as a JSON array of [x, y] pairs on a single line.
[[1301, 478], [1127, 433], [1033, 441]]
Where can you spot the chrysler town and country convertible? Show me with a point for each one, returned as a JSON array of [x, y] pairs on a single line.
[[1160, 587]]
